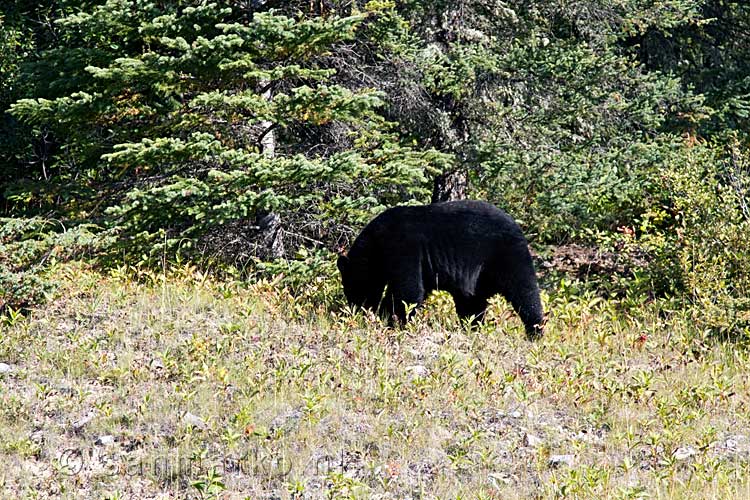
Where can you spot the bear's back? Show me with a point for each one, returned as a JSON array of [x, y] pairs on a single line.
[[448, 219], [448, 229]]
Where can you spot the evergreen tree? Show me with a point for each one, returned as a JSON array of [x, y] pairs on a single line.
[[161, 113], [260, 127]]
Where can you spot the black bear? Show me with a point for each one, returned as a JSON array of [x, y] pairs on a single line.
[[471, 249]]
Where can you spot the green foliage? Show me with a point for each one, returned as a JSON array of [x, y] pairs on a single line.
[[29, 248], [572, 132], [711, 230], [174, 128], [168, 127], [705, 43], [583, 119], [310, 275]]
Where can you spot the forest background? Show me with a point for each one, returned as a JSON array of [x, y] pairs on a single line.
[[616, 133]]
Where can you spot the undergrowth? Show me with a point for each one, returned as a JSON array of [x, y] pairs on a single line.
[[139, 384]]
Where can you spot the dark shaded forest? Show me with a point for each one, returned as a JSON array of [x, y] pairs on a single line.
[[262, 135]]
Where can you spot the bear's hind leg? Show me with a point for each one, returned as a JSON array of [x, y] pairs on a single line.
[[514, 277], [527, 304]]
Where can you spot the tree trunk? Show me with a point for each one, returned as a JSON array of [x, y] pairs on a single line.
[[450, 186], [269, 223]]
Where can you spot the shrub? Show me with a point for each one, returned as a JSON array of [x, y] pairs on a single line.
[[28, 249]]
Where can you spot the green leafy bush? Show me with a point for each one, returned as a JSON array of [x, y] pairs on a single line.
[[711, 236], [29, 248]]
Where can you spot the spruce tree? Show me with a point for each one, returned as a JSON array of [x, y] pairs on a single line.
[[161, 115]]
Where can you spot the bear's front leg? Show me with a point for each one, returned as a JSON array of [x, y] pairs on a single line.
[[472, 308], [397, 296]]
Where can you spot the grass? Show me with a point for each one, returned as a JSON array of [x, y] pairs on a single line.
[[181, 386]]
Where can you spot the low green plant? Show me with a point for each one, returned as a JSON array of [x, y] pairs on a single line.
[[30, 248]]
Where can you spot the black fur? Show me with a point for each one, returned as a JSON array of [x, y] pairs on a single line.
[[470, 249]]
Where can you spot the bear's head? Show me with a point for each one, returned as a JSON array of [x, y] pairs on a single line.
[[353, 289], [354, 277]]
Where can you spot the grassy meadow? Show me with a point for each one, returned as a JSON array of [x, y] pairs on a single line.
[[139, 385]]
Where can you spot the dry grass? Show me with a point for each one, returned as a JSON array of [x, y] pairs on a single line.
[[180, 386]]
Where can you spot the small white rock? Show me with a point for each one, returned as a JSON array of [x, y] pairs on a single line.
[[286, 421], [558, 460], [418, 371], [107, 440], [81, 422], [531, 440], [588, 437], [37, 437], [499, 478], [515, 414], [5, 368], [734, 443], [684, 452], [194, 420]]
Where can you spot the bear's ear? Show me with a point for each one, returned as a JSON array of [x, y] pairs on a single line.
[[342, 263]]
